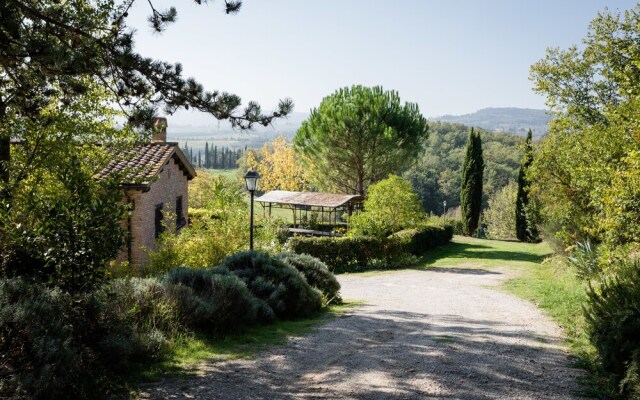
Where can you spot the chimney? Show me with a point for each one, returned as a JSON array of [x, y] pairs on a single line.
[[159, 130]]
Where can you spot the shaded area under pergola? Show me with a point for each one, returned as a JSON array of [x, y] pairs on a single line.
[[329, 207]]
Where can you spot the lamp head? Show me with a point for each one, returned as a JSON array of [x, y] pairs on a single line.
[[252, 179]]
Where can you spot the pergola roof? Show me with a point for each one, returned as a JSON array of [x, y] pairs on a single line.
[[315, 199]]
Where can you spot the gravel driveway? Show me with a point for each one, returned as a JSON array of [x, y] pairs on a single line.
[[443, 333]]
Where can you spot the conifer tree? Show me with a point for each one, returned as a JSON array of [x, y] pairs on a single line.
[[215, 157], [526, 230], [52, 51], [207, 163], [471, 191]]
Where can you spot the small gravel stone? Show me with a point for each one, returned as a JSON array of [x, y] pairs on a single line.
[[439, 333]]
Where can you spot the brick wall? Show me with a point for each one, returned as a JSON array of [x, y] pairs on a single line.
[[171, 183]]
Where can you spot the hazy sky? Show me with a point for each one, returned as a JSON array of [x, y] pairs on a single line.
[[451, 57]]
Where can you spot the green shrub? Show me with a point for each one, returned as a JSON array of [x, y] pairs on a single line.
[[456, 225], [278, 284], [630, 384], [585, 258], [218, 228], [391, 205], [353, 254], [39, 357], [344, 254], [59, 346], [67, 232], [316, 272], [418, 241], [500, 216], [613, 320], [145, 312], [212, 300]]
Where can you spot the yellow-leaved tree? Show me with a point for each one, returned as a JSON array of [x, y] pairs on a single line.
[[279, 167]]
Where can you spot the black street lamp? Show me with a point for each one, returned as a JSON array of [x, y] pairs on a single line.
[[444, 214], [252, 179]]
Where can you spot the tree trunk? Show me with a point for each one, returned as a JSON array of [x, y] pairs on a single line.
[[5, 158]]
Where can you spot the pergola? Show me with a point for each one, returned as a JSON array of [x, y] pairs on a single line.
[[329, 206]]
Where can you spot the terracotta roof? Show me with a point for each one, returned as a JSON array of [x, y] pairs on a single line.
[[308, 198], [142, 163]]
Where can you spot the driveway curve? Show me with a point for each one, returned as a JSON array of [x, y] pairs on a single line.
[[441, 333]]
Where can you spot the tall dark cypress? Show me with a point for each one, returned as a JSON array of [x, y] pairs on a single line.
[[526, 230], [215, 157], [471, 191], [207, 161]]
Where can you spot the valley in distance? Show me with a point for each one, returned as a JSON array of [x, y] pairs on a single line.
[[196, 129]]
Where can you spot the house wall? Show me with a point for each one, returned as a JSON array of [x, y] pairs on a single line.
[[172, 182]]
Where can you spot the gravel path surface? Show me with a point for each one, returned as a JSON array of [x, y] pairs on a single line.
[[443, 333]]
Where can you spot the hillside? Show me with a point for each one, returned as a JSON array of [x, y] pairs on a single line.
[[436, 174], [508, 119]]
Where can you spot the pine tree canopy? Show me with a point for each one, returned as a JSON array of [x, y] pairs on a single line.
[[48, 48], [358, 136], [53, 52]]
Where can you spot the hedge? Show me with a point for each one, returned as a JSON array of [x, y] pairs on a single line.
[[418, 241], [358, 253]]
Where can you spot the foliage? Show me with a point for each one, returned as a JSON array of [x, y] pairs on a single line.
[[27, 313], [278, 284], [58, 346], [352, 254], [500, 217], [52, 52], [391, 205], [585, 258], [620, 222], [61, 225], [279, 167], [436, 176], [418, 241], [613, 317], [593, 94], [211, 300], [316, 273], [214, 157], [347, 253], [68, 230], [525, 212], [219, 229], [471, 186], [358, 136]]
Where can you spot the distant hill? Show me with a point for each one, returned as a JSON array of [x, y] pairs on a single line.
[[509, 119]]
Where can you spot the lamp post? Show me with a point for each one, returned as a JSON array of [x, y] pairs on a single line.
[[444, 214], [252, 179]]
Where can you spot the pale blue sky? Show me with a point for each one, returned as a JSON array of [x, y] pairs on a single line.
[[451, 57]]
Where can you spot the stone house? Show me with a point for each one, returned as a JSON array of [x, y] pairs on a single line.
[[157, 179]]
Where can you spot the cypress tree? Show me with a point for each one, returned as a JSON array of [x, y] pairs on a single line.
[[471, 191], [526, 230], [215, 157], [207, 162]]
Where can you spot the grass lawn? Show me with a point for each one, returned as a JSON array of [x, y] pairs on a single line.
[[546, 281], [232, 174], [227, 173]]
